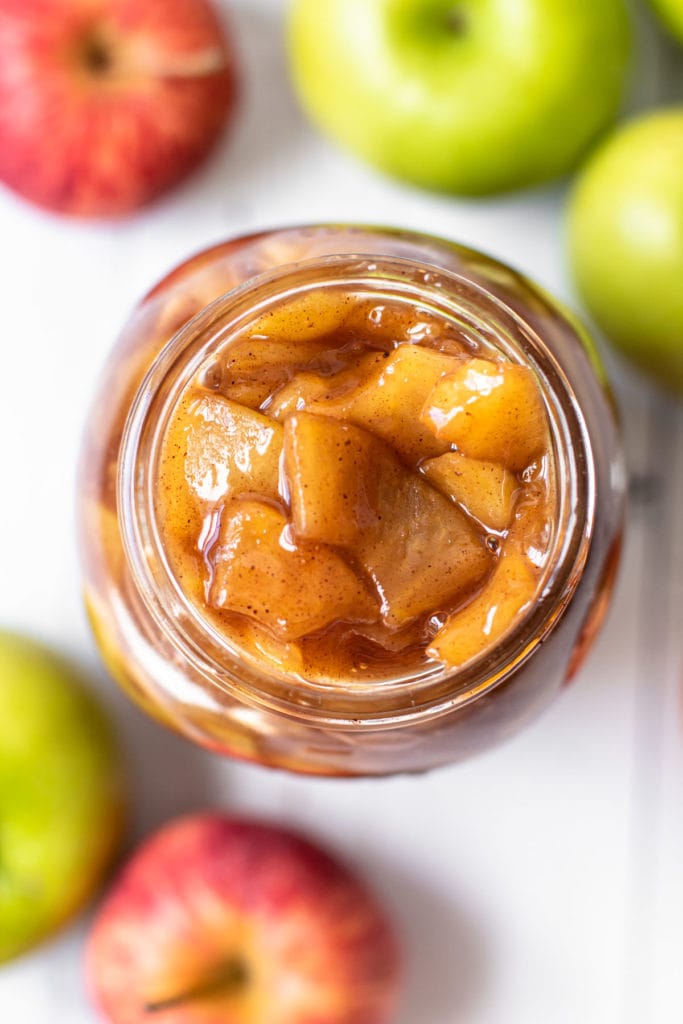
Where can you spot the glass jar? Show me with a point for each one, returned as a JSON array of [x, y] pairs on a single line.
[[181, 670]]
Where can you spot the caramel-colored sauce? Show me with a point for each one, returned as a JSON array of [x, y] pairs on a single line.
[[350, 490]]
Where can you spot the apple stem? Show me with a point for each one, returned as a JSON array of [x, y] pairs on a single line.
[[456, 21], [97, 57], [225, 978]]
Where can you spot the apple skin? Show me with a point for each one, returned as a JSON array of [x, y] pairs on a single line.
[[61, 792], [106, 104], [472, 98], [671, 13], [626, 242], [217, 919]]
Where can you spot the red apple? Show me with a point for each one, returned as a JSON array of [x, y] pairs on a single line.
[[223, 921], [104, 104]]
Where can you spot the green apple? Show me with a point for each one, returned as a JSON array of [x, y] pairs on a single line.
[[626, 242], [671, 13], [61, 794], [468, 96]]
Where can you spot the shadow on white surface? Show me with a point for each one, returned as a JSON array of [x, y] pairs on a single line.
[[168, 776], [446, 962], [657, 68], [269, 124]]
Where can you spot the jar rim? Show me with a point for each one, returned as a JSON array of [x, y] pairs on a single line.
[[426, 694]]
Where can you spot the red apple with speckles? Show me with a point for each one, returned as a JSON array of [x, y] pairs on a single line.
[[224, 921], [105, 104]]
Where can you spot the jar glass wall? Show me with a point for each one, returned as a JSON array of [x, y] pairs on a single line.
[[181, 670]]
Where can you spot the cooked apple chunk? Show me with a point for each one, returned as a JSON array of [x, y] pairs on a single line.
[[389, 401], [296, 394], [348, 488], [292, 589], [491, 411], [307, 316], [485, 489], [308, 387], [482, 623], [421, 551], [326, 464], [257, 366], [226, 448], [282, 655], [214, 448], [382, 320]]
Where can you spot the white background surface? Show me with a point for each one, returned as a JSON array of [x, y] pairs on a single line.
[[539, 884]]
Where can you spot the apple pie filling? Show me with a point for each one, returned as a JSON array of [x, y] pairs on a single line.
[[351, 489]]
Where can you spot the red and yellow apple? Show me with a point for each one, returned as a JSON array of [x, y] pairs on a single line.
[[224, 921], [105, 104]]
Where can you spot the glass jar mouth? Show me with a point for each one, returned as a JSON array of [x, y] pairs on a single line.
[[435, 690]]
